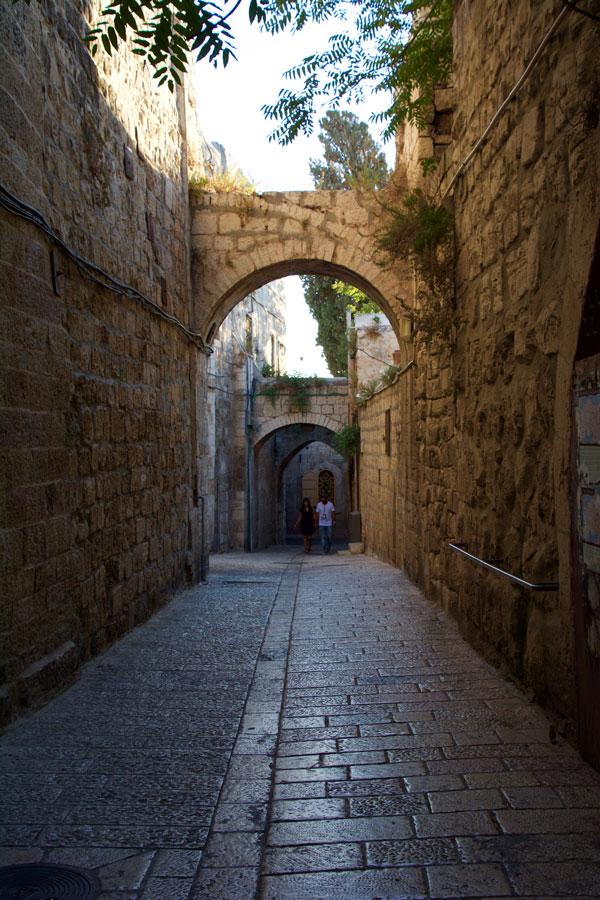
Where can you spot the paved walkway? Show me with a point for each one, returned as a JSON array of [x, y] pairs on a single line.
[[374, 755]]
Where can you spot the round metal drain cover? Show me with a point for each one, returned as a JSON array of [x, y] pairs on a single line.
[[46, 882]]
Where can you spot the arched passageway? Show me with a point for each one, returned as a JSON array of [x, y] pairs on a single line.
[[314, 468], [279, 463], [240, 243]]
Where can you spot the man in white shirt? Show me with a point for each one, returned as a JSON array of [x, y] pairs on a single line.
[[325, 512]]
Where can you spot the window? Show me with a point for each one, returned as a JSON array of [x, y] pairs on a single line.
[[248, 337], [327, 484], [388, 432], [280, 357]]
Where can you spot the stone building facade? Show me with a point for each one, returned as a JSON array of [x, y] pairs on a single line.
[[483, 433], [103, 373], [375, 344], [253, 335]]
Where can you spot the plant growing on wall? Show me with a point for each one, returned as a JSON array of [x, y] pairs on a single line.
[[347, 441], [421, 232], [228, 181], [295, 387]]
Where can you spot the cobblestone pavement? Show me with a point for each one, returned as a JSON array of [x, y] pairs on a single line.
[[374, 755]]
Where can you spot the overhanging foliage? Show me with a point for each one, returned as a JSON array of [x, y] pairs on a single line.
[[401, 47]]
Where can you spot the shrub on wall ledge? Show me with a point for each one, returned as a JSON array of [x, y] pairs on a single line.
[[421, 232], [228, 181], [347, 441], [295, 387]]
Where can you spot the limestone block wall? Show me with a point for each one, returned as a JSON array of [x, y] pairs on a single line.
[[266, 498], [527, 214], [100, 394], [492, 439], [240, 350], [407, 474], [376, 343]]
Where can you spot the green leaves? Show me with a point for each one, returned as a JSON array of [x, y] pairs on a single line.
[[352, 159], [347, 441], [163, 32], [400, 47], [421, 232]]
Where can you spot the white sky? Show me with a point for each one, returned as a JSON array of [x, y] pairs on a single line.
[[229, 112]]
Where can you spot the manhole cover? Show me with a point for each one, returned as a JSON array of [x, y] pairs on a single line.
[[46, 882]]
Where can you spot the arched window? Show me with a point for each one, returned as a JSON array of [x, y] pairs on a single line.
[[327, 484]]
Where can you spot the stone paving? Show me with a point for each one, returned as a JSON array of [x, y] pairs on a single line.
[[303, 727]]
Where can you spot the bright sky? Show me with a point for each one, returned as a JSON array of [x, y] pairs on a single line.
[[229, 112]]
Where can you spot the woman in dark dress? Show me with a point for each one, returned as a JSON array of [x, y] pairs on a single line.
[[306, 520]]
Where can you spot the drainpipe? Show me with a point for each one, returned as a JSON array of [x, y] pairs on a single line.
[[250, 397], [354, 523], [203, 556]]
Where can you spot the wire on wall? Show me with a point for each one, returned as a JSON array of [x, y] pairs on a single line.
[[94, 273], [526, 73]]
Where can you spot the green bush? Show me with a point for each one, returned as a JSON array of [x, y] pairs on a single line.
[[347, 441]]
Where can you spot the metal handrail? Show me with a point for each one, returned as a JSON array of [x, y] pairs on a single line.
[[540, 586]]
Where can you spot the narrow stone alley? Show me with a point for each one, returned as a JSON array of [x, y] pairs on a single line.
[[300, 728]]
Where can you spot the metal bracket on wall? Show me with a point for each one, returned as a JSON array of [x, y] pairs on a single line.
[[539, 586], [56, 272]]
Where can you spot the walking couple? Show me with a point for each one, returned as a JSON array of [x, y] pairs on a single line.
[[308, 518]]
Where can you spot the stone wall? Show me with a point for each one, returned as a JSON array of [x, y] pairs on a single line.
[[240, 242], [98, 443], [376, 344], [527, 215], [490, 455], [406, 475], [240, 351]]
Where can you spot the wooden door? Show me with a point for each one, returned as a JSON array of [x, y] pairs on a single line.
[[586, 553]]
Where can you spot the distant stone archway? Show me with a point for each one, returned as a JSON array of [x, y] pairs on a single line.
[[270, 426], [241, 242]]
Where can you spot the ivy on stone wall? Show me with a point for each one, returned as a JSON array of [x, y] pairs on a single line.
[[421, 232], [347, 441], [294, 387]]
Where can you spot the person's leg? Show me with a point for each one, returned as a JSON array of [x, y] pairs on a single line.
[[305, 542], [323, 530]]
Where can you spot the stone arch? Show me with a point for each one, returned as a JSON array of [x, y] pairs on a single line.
[[240, 243], [296, 266], [270, 426]]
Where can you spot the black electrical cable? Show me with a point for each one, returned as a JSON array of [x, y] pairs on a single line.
[[581, 11], [94, 273]]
